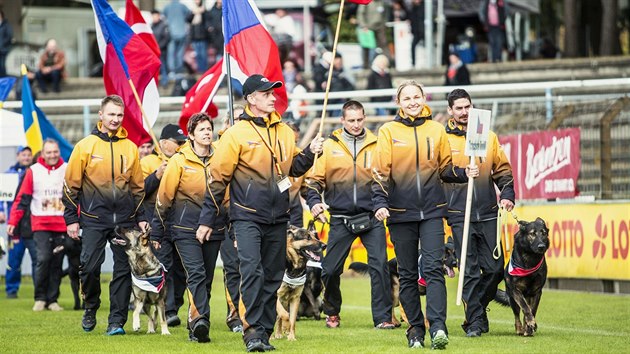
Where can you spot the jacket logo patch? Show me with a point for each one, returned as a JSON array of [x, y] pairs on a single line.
[[253, 144], [189, 169], [337, 153], [96, 157], [455, 151], [397, 142]]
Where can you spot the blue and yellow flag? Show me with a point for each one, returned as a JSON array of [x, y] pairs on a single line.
[[36, 125], [6, 84]]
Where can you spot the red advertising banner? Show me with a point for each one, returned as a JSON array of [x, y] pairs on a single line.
[[545, 164]]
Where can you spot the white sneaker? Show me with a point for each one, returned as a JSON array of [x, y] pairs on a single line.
[[55, 307], [39, 306]]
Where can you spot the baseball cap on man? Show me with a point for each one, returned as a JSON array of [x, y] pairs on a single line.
[[173, 131], [259, 83], [22, 148]]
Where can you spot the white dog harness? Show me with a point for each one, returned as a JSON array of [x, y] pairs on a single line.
[[151, 284]]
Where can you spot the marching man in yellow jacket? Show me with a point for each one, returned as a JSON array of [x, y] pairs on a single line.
[[255, 157], [483, 272]]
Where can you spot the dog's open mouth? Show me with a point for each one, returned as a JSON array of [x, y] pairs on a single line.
[[312, 255], [449, 271]]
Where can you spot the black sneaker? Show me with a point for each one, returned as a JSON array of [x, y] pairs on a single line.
[[201, 330], [89, 320], [473, 332], [416, 342], [439, 340], [115, 329], [172, 320], [268, 346], [255, 345]]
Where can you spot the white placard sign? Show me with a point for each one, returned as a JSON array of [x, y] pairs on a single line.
[[477, 132], [8, 186]]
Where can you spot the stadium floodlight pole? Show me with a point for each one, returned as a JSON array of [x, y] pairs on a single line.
[[228, 77], [330, 72], [156, 144]]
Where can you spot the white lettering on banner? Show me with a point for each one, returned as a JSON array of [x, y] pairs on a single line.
[[559, 185], [547, 160]]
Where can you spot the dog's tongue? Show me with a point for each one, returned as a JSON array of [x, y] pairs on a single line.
[[450, 272]]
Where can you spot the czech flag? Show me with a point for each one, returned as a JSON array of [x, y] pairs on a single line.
[[36, 126], [251, 48], [135, 20], [199, 97], [126, 59]]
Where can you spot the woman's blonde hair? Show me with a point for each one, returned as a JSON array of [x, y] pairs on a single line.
[[405, 84]]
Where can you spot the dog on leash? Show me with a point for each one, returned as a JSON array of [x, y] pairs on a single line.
[[526, 273], [302, 246], [311, 302], [149, 278]]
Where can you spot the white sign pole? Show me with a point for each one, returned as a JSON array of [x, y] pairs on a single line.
[[477, 131]]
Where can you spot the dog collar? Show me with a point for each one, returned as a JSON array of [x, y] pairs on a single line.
[[151, 284], [294, 281], [521, 272]]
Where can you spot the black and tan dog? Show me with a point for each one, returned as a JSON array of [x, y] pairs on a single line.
[[526, 273], [149, 279], [302, 246]]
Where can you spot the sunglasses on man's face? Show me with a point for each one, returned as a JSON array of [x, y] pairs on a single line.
[[180, 143]]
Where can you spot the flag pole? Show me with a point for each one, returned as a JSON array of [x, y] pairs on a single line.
[[230, 106], [462, 263], [330, 72], [146, 120]]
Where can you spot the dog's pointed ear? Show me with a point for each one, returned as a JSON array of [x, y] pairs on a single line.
[[538, 219], [522, 225], [118, 230], [311, 226]]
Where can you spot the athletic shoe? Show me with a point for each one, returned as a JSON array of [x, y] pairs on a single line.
[[385, 325], [172, 320], [473, 332], [237, 329], [55, 307], [201, 330], [416, 342], [11, 295], [115, 329], [89, 320], [439, 340], [39, 306], [333, 321], [268, 347], [255, 345]]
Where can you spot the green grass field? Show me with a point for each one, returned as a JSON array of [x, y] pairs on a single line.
[[568, 322]]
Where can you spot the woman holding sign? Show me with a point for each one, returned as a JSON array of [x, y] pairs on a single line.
[[483, 272], [411, 161]]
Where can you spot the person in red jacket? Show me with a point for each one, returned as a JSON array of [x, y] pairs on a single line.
[[41, 193]]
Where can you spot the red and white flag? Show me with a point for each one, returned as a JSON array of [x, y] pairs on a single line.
[[199, 97], [361, 2]]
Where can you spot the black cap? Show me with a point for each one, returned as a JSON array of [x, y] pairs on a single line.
[[172, 131], [260, 83]]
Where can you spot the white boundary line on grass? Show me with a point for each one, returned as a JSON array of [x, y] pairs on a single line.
[[596, 332]]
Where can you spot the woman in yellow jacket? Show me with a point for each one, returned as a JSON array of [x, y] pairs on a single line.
[[178, 205], [412, 159]]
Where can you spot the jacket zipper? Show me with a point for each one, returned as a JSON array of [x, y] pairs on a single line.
[[418, 186], [354, 181], [273, 179], [181, 216], [111, 146]]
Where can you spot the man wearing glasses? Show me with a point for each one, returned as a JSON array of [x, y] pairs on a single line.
[[153, 166]]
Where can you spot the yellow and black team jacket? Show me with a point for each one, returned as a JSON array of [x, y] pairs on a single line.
[[149, 165], [494, 168], [343, 179], [104, 181], [412, 159], [243, 160], [181, 195]]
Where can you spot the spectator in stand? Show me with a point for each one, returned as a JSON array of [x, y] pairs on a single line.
[[176, 14], [399, 11], [215, 30], [6, 41], [416, 21], [378, 79], [41, 192], [283, 31], [51, 67], [145, 148], [456, 72], [22, 238], [372, 17], [199, 20], [295, 83], [162, 36], [493, 14]]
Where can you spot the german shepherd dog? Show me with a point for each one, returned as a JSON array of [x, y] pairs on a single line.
[[149, 278], [311, 300], [526, 273], [302, 246]]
